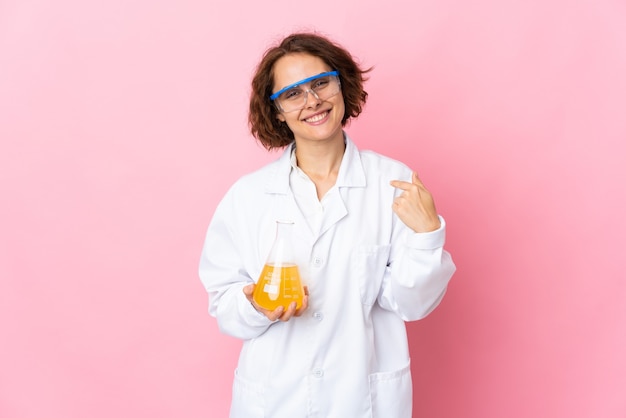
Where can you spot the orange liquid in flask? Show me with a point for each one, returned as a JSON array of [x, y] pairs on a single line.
[[279, 286]]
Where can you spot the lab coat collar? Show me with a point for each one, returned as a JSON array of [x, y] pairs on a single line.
[[351, 172]]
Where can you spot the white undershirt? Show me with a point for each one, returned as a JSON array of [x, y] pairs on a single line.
[[305, 194]]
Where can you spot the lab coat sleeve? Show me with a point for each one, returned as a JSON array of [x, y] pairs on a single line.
[[418, 273], [223, 275]]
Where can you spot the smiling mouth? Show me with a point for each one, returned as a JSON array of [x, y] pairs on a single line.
[[317, 118]]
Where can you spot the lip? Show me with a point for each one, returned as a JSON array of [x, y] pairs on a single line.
[[324, 119]]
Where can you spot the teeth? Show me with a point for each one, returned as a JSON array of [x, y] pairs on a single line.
[[317, 118]]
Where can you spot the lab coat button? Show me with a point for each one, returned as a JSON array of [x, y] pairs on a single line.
[[317, 262], [318, 315], [318, 373]]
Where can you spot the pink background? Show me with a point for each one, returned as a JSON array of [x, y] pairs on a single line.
[[122, 123]]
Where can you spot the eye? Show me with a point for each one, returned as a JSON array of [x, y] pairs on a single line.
[[320, 83], [291, 94]]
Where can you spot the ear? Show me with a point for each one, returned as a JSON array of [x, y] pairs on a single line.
[[280, 117]]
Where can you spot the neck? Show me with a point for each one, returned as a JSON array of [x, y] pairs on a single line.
[[320, 160]]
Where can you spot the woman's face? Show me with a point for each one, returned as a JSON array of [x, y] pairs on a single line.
[[319, 120]]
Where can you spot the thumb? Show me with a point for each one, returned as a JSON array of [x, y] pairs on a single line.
[[416, 180], [248, 289]]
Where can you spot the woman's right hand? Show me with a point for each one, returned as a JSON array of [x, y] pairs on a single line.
[[278, 313]]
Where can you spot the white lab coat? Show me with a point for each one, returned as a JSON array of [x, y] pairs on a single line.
[[347, 355]]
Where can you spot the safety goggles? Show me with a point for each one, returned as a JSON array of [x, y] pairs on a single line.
[[294, 97]]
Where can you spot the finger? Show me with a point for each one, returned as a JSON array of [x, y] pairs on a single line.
[[276, 313], [402, 185], [248, 290], [305, 305], [291, 309], [416, 180]]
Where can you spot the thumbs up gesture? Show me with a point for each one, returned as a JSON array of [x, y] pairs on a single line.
[[415, 205]]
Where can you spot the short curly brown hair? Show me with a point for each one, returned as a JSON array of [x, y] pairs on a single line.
[[262, 119]]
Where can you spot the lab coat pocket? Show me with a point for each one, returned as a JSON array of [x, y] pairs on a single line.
[[369, 263], [247, 398], [391, 393]]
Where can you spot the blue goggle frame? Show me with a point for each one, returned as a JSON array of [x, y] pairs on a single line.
[[306, 80]]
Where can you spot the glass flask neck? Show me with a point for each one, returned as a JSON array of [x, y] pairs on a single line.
[[283, 229], [282, 251]]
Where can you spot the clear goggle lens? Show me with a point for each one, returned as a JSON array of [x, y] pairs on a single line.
[[294, 97]]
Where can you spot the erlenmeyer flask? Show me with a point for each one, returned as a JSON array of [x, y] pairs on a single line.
[[280, 283]]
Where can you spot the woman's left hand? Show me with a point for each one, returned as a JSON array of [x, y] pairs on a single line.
[[415, 206]]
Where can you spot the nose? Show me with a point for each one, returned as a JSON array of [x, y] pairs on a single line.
[[312, 99]]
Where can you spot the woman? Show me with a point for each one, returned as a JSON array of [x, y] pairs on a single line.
[[367, 239]]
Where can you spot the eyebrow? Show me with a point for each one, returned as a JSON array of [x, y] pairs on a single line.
[[296, 84]]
